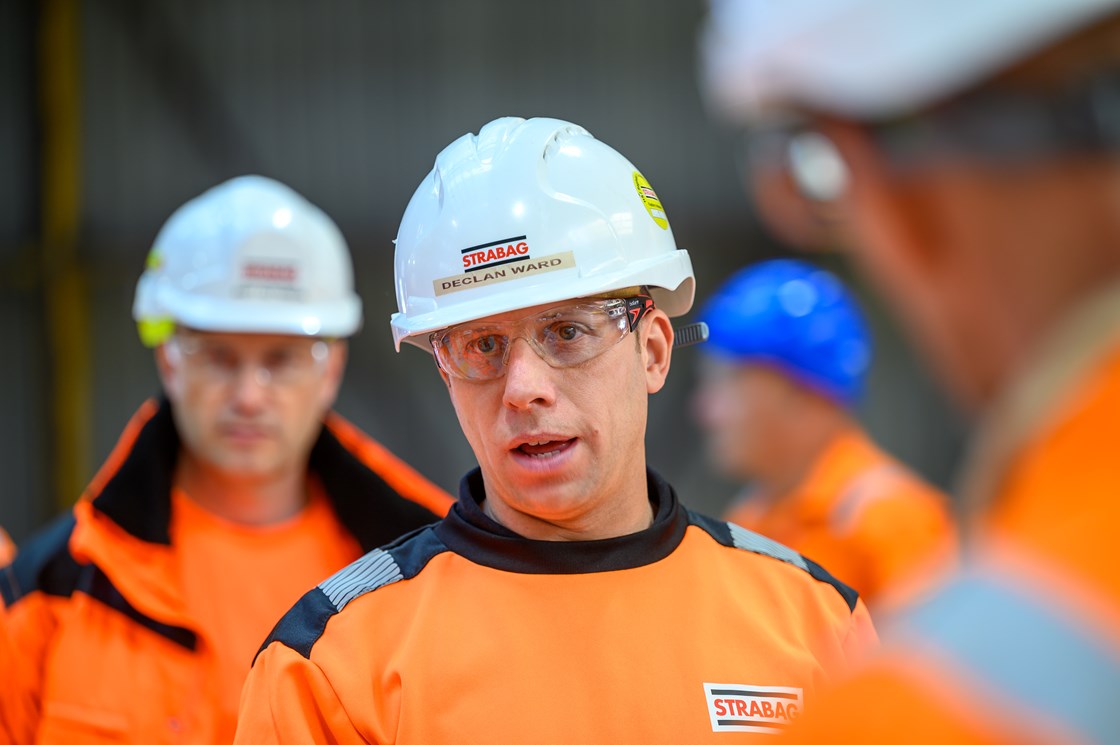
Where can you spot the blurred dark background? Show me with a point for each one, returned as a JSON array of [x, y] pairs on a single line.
[[117, 111]]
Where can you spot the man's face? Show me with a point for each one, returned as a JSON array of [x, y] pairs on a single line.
[[740, 407], [249, 405], [564, 447], [968, 252]]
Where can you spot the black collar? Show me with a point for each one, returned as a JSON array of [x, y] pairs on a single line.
[[470, 533], [138, 495]]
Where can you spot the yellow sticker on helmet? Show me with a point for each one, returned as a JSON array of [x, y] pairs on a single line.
[[155, 331], [650, 200]]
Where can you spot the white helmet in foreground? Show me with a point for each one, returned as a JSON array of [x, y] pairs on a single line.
[[249, 256], [529, 212], [869, 59]]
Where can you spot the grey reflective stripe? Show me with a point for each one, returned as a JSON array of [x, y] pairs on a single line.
[[1023, 646], [750, 541], [375, 569], [867, 487]]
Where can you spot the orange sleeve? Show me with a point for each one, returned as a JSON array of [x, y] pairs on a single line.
[[288, 699], [8, 714], [885, 705], [909, 532], [25, 633]]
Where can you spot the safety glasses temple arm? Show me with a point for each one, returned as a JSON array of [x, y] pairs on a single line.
[[692, 333]]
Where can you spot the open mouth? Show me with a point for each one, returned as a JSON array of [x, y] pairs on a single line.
[[544, 449]]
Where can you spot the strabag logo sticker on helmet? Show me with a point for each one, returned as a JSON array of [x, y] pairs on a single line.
[[487, 255], [650, 200], [750, 708], [500, 261], [269, 279]]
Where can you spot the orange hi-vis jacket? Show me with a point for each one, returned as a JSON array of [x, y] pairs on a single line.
[[690, 631], [862, 514], [1022, 644], [102, 635]]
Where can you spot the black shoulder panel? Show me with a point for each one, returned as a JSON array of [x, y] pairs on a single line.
[[821, 574], [98, 586], [731, 535], [43, 563], [303, 625], [717, 529], [369, 508]]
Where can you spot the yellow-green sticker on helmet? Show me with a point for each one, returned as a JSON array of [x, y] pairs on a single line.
[[154, 260], [650, 200], [155, 331]]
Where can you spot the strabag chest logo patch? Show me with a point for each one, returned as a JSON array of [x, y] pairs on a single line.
[[750, 708], [500, 261]]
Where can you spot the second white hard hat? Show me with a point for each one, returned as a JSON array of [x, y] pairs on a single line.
[[249, 255], [869, 59], [529, 212]]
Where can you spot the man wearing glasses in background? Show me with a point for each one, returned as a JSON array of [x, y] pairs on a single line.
[[568, 597], [135, 617]]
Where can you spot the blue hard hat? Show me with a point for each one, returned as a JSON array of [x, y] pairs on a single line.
[[797, 317]]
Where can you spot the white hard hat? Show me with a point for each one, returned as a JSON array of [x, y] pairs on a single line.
[[249, 255], [529, 212], [869, 59]]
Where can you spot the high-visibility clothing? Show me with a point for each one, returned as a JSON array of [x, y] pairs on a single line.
[[7, 548], [135, 618], [862, 514], [1022, 644], [689, 631]]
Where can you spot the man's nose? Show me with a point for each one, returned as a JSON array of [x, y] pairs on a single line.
[[529, 380], [251, 383]]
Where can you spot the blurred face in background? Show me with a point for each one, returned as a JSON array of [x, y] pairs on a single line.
[[986, 237], [249, 405], [957, 246], [741, 409]]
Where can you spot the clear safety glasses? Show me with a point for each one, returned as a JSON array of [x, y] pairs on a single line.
[[796, 173], [283, 363], [563, 336]]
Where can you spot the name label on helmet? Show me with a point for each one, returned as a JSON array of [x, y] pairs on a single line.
[[487, 255], [510, 269]]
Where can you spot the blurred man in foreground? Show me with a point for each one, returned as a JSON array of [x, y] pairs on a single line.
[[970, 154], [783, 367], [134, 618]]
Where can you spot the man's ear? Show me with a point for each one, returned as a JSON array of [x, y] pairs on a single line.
[[656, 341], [338, 354], [168, 373]]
